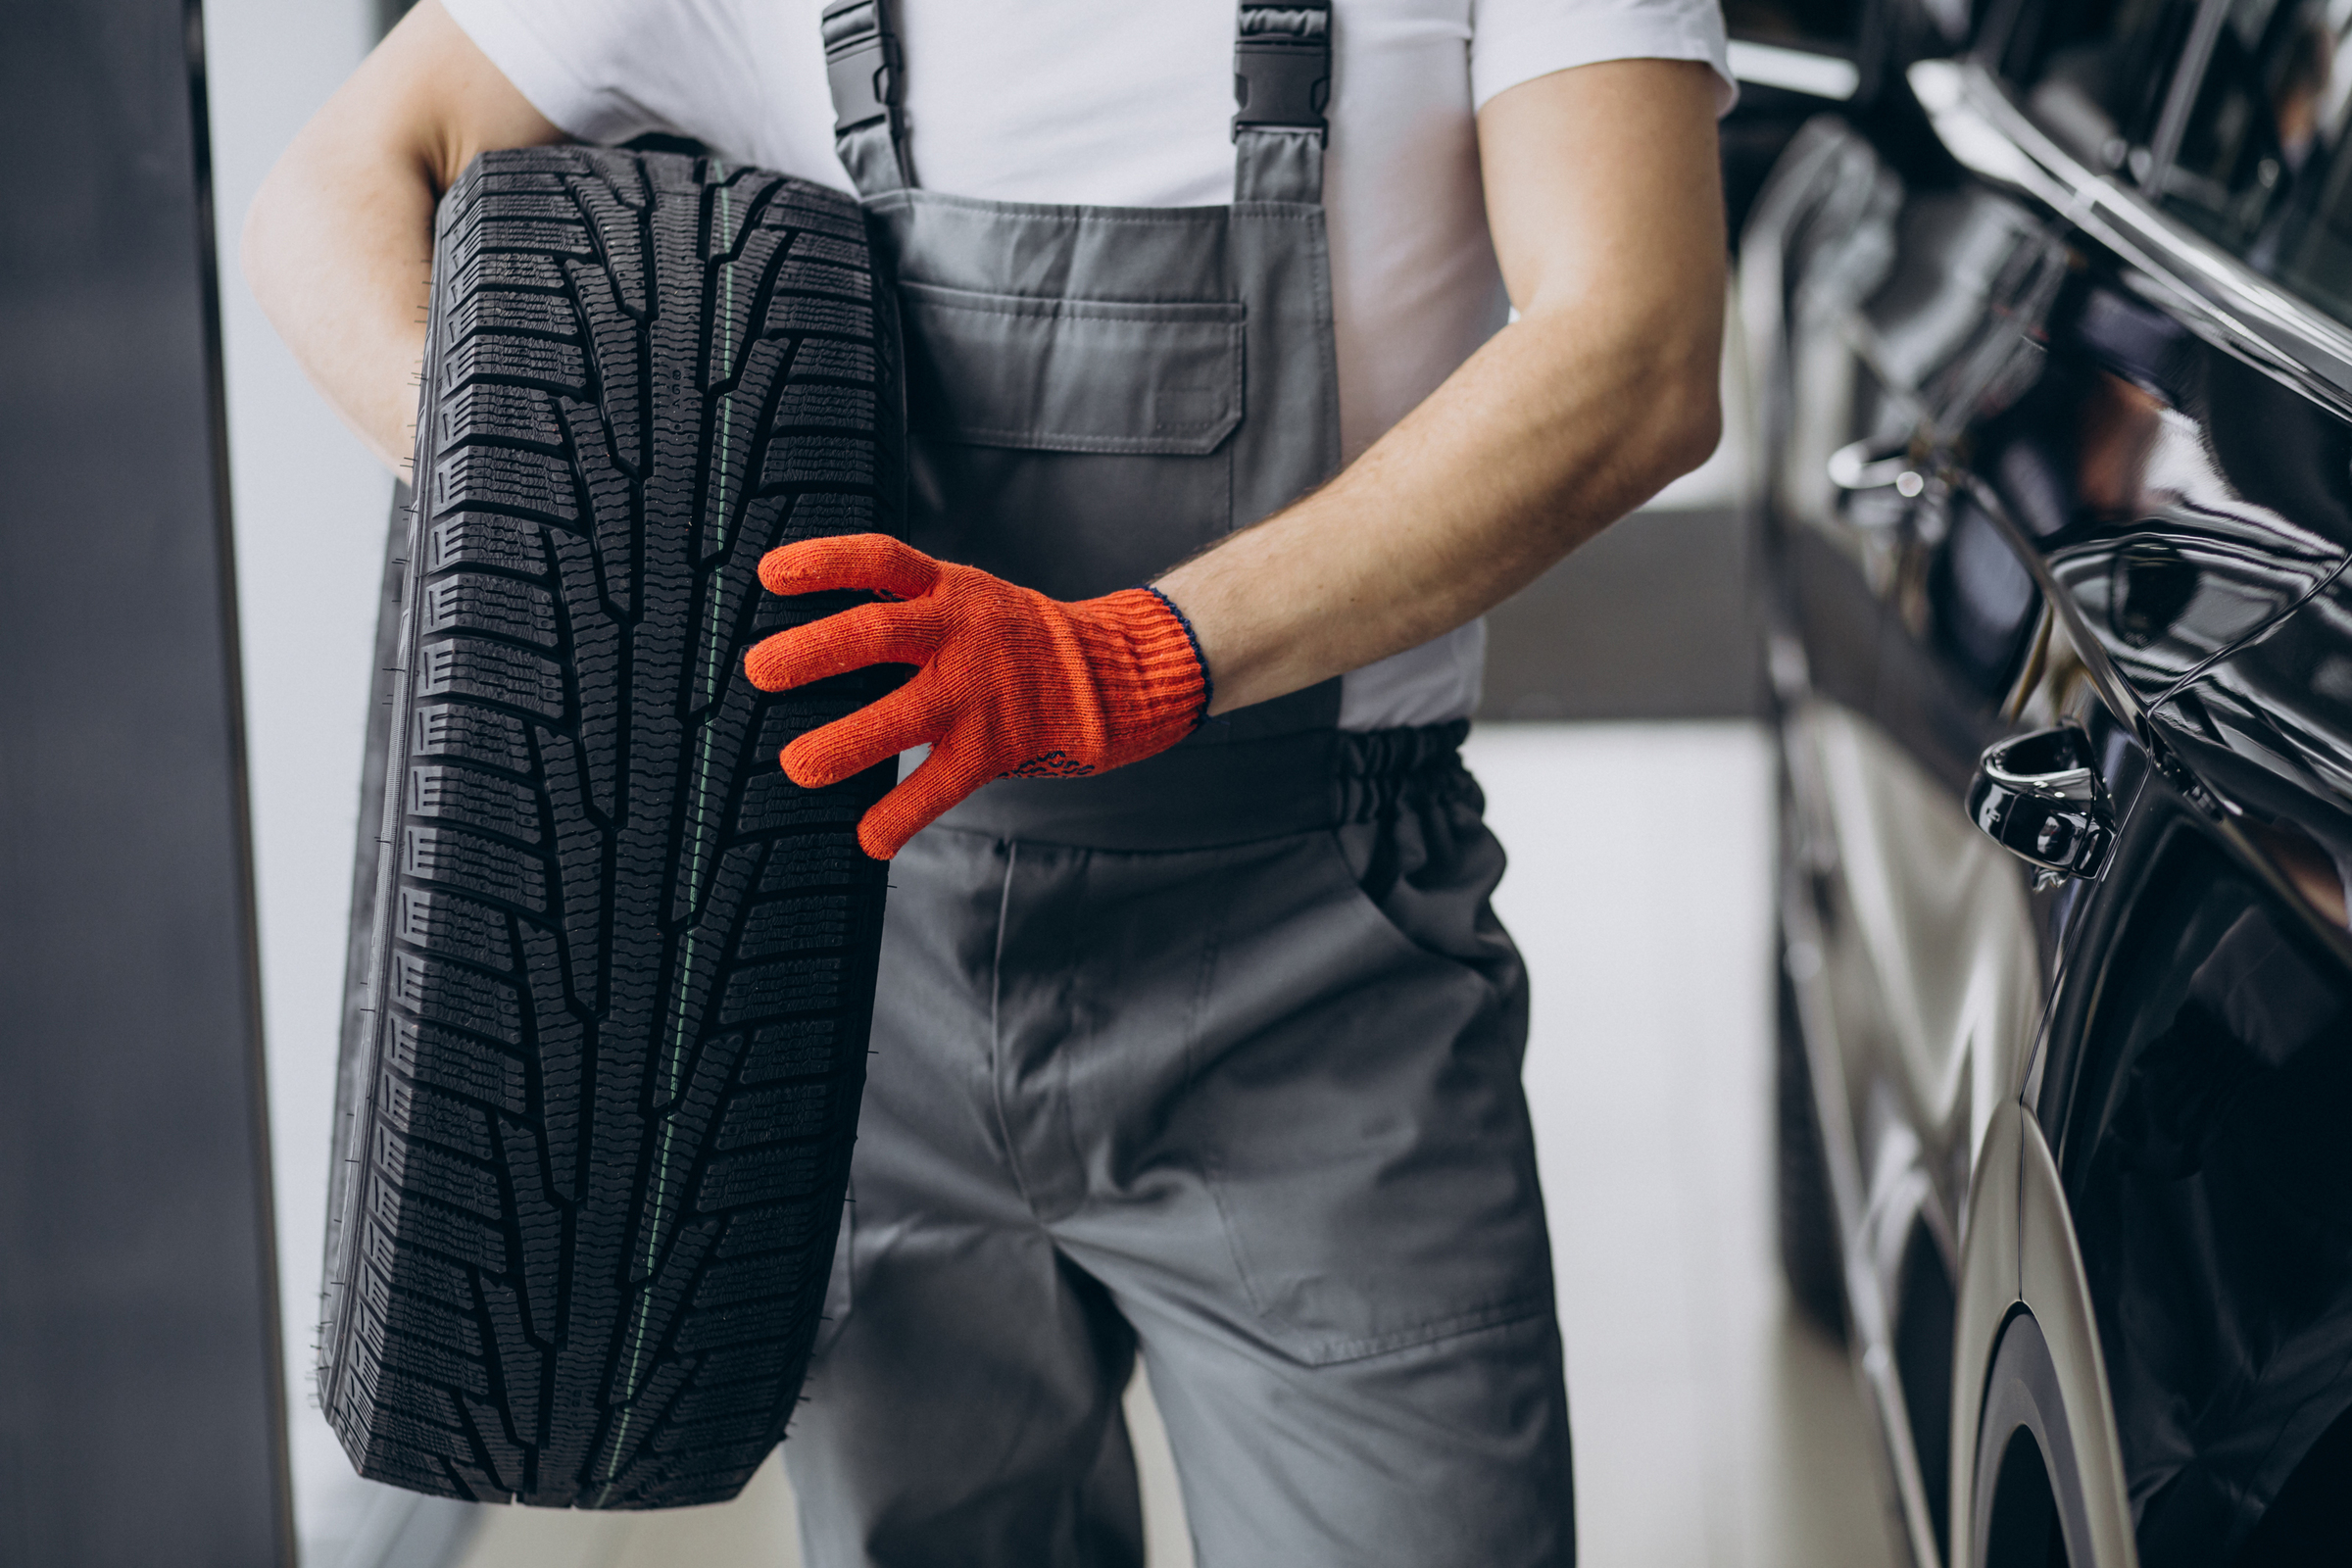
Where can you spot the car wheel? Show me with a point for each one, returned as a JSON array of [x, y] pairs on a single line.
[[619, 971], [2029, 1510]]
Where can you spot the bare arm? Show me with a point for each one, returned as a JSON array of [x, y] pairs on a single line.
[[1603, 199], [338, 246]]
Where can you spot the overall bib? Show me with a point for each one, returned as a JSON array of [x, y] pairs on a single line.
[[1215, 1055]]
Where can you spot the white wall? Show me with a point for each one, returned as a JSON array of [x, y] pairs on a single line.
[[310, 508]]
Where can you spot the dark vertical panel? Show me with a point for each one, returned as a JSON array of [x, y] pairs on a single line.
[[141, 1412]]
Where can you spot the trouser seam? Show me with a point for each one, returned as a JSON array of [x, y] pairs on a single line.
[[996, 1030]]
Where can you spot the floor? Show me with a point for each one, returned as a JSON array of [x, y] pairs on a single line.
[[1714, 1430]]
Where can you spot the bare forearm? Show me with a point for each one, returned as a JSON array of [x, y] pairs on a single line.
[[1604, 391], [338, 245], [1534, 446]]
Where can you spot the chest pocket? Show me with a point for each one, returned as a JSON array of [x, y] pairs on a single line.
[[1072, 375]]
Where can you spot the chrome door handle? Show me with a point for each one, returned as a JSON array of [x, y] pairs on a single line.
[[1866, 466], [2042, 797]]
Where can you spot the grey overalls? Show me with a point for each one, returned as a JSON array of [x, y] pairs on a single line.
[[1217, 1053]]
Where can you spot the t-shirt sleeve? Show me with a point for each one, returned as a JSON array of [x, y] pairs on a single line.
[[1512, 41], [605, 70]]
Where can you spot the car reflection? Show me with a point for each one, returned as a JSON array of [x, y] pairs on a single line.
[[2181, 502], [2212, 1193]]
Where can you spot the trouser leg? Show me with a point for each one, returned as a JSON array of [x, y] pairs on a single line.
[[1455, 1451], [964, 1408], [1327, 1228]]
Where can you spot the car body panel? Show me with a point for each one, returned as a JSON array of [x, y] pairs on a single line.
[[2051, 1287], [2031, 453], [1988, 1293]]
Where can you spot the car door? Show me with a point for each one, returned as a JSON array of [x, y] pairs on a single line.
[[2169, 462]]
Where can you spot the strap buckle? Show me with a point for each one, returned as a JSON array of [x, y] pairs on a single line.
[[1282, 69], [863, 65]]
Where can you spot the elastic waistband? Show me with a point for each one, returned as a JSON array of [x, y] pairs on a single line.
[[1202, 797]]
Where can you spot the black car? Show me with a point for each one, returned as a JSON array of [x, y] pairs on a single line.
[[2049, 333]]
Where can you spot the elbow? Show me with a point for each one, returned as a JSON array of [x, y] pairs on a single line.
[[1696, 427], [1688, 417]]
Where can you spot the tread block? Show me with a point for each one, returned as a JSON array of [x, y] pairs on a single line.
[[443, 923], [471, 602], [484, 539], [474, 863], [506, 478], [833, 360], [476, 734], [480, 801], [798, 313], [744, 1279], [772, 1227], [813, 922], [760, 1395], [524, 314], [487, 410], [827, 248], [813, 861], [508, 270], [493, 672], [434, 1320], [803, 206], [768, 989], [758, 1176], [440, 1228], [777, 1115], [464, 1067], [434, 1118], [772, 802], [802, 1048], [808, 275], [442, 991], [731, 1327], [819, 406], [528, 361], [819, 459], [521, 234]]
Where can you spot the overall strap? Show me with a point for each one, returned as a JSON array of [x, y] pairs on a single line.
[[1282, 85], [863, 68]]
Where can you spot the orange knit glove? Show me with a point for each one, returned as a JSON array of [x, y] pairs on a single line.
[[1012, 684]]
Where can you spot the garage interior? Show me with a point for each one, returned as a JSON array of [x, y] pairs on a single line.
[[1626, 772]]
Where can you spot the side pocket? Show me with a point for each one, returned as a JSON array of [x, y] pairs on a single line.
[[1364, 1133]]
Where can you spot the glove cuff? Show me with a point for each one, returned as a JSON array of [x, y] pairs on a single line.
[[1157, 693], [1209, 685]]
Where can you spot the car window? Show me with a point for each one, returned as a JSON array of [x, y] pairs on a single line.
[[2258, 168], [2092, 73], [2209, 1178]]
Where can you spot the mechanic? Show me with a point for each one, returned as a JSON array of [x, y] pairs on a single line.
[[1215, 1051]]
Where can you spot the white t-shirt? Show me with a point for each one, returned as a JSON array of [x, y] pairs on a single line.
[[1129, 103]]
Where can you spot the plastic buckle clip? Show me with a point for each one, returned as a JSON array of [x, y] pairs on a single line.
[[1282, 69], [861, 64]]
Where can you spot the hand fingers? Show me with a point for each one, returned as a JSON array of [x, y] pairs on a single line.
[[956, 767], [908, 716], [868, 634], [870, 561]]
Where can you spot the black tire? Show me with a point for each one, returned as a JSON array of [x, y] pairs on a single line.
[[1811, 1258], [622, 971]]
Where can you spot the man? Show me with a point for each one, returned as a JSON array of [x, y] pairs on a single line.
[[1209, 1046]]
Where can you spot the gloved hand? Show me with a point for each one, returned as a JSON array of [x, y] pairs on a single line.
[[1012, 682]]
